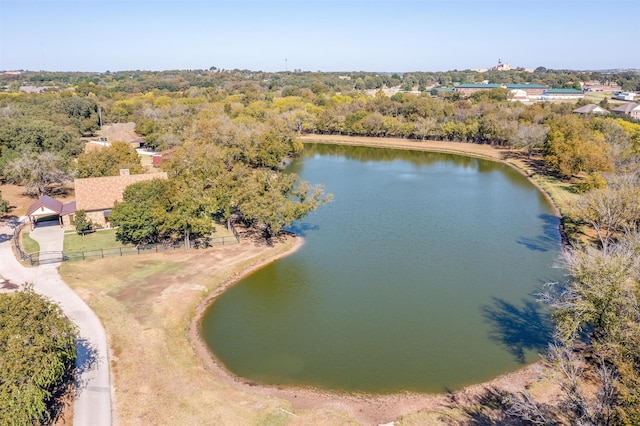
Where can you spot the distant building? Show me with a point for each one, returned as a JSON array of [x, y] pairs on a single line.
[[529, 89], [631, 109], [590, 109], [560, 94], [625, 96], [501, 66]]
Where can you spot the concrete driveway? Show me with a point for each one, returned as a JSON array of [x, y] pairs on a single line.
[[92, 405], [50, 236]]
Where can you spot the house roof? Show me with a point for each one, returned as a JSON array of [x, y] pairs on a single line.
[[68, 208], [478, 86], [101, 193], [526, 86], [626, 108], [51, 205], [46, 202], [590, 109], [565, 91]]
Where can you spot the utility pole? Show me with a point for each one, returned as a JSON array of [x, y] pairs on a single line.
[[286, 67]]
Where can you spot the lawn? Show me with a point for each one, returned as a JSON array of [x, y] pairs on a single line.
[[29, 245], [104, 239]]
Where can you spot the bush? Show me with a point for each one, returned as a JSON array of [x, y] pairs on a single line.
[[593, 181], [82, 223]]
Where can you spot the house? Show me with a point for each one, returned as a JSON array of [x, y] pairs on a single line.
[[631, 109], [50, 207], [590, 109], [97, 196]]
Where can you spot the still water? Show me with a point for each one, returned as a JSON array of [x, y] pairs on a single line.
[[419, 276]]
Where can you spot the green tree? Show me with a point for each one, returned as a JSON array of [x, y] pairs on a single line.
[[37, 356], [273, 201], [109, 161], [142, 213], [4, 205], [25, 135]]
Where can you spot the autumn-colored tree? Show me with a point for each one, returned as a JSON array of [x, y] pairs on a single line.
[[573, 147]]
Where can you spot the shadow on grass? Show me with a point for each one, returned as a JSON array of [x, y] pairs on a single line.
[[519, 328]]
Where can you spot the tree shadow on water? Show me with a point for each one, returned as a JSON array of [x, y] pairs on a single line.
[[301, 228], [519, 328], [549, 239]]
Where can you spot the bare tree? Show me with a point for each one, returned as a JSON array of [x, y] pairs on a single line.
[[530, 137], [39, 173], [610, 211]]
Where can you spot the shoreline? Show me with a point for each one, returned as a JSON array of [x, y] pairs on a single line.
[[370, 408]]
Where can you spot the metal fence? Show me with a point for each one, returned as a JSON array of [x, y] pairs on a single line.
[[42, 258]]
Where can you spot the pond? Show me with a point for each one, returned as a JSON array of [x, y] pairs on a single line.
[[420, 276]]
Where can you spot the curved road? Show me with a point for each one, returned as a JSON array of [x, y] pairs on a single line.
[[92, 405]]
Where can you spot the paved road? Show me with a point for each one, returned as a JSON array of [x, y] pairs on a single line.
[[92, 406]]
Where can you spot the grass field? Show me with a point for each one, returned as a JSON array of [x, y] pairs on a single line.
[[29, 245], [103, 239], [106, 239]]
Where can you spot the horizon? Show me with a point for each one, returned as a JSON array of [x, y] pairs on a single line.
[[515, 69], [316, 36]]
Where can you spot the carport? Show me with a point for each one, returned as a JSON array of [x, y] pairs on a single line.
[[48, 206]]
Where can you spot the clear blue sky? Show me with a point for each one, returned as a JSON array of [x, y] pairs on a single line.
[[314, 35]]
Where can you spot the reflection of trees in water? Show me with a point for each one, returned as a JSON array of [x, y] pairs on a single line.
[[366, 153], [519, 328]]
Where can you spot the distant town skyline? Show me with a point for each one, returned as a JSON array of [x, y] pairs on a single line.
[[312, 35]]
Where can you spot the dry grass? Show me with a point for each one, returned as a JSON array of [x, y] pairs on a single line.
[[19, 202], [146, 303]]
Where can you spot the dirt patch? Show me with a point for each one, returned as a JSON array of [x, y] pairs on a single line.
[[119, 132], [19, 202], [472, 149]]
